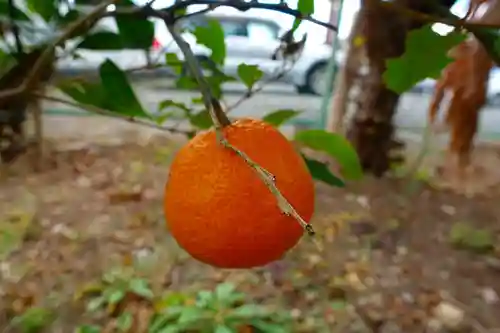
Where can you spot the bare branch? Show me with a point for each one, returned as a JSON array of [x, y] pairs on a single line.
[[257, 89], [213, 106], [166, 13], [106, 113]]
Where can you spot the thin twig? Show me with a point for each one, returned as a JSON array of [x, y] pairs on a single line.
[[256, 90], [237, 4], [88, 76], [218, 116], [200, 12], [106, 113], [449, 19], [270, 181]]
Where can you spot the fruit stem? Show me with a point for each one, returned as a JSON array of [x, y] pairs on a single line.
[[270, 181], [212, 104]]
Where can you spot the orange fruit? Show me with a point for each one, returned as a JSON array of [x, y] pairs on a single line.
[[219, 210]]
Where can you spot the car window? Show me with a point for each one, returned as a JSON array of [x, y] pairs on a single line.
[[234, 28], [230, 27], [262, 31], [192, 22]]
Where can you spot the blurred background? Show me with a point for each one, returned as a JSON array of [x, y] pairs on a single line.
[[252, 37]]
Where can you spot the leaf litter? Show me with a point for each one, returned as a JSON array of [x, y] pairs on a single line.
[[376, 263]]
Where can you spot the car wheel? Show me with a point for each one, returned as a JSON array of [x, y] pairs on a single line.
[[315, 81]]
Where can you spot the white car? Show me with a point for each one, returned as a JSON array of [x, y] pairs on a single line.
[[253, 39], [249, 38]]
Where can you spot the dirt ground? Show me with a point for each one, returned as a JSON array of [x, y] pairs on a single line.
[[401, 256]]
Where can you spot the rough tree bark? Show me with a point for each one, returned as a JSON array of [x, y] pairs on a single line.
[[371, 130]]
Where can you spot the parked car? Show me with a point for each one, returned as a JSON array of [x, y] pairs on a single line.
[[39, 32], [250, 39], [253, 39], [89, 60]]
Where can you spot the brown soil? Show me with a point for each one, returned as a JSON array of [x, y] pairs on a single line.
[[382, 245]]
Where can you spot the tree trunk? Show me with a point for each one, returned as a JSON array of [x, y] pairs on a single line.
[[371, 130]]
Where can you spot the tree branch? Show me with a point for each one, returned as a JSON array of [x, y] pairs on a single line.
[[257, 89], [479, 30], [237, 4], [213, 106], [32, 79], [106, 113]]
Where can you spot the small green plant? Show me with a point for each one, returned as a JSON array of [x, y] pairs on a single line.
[[115, 287], [33, 320], [88, 329], [465, 236], [223, 310]]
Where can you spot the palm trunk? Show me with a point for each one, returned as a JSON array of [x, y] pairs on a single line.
[[371, 130]]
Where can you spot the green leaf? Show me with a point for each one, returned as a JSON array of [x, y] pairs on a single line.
[[165, 318], [168, 103], [19, 15], [267, 327], [180, 12], [88, 329], [320, 171], [85, 93], [215, 83], [33, 320], [170, 329], [141, 288], [224, 290], [224, 329], [96, 304], [425, 56], [119, 91], [174, 62], [115, 296], [205, 298], [338, 305], [186, 82], [249, 74], [279, 117], [197, 100], [47, 9], [174, 110], [102, 40], [337, 147], [124, 322], [191, 315], [135, 33], [306, 8], [202, 120], [212, 36]]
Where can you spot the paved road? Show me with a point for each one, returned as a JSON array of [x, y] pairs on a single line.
[[411, 113]]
